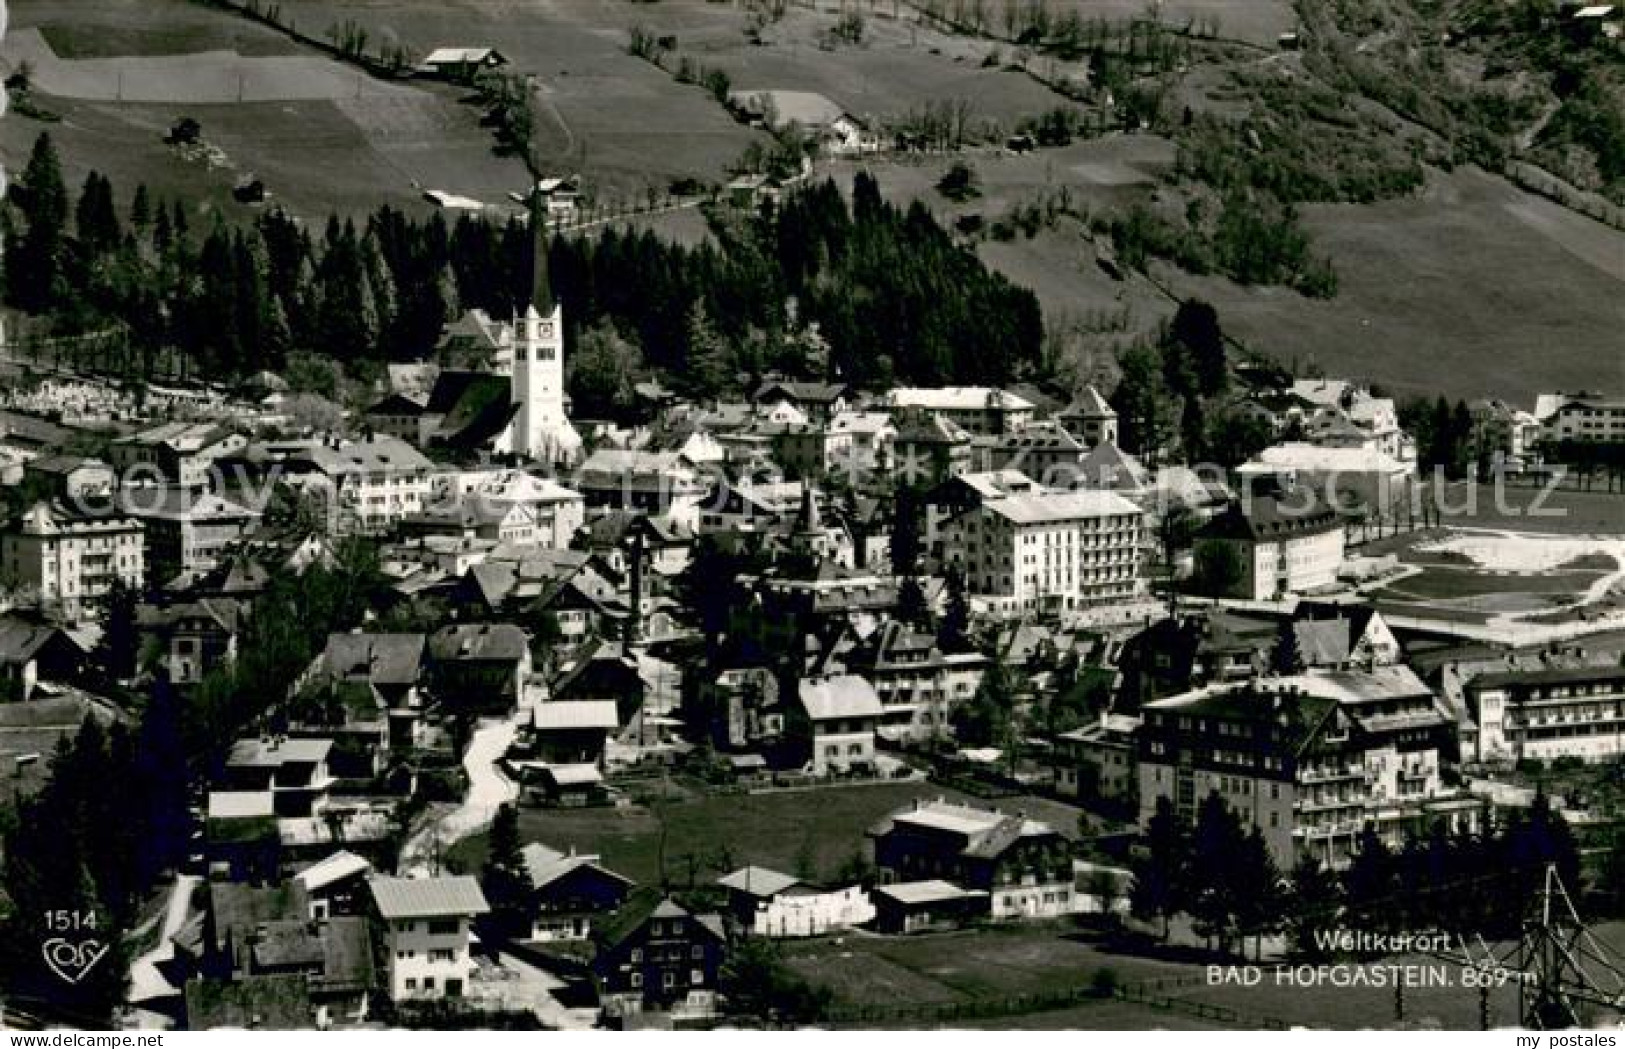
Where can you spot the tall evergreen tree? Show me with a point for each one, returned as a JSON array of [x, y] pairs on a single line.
[[953, 633], [1286, 657], [1162, 870], [504, 877], [1218, 850], [36, 266], [1195, 327]]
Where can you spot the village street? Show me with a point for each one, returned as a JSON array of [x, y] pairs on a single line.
[[147, 981], [489, 789]]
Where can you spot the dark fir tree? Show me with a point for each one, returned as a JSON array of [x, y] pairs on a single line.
[[1162, 868]]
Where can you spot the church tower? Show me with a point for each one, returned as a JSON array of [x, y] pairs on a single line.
[[540, 429]]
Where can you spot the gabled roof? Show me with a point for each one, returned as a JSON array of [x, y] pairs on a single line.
[[802, 392], [1322, 642], [223, 614], [62, 465], [21, 640], [930, 428], [1089, 404], [1108, 466], [758, 881], [483, 641], [241, 804], [462, 56], [1299, 455], [1299, 715], [1046, 436], [643, 906], [839, 696], [269, 1003], [986, 832], [335, 868], [1060, 506], [179, 504], [239, 909], [1262, 518], [475, 407], [922, 892], [397, 404], [399, 898], [383, 659], [547, 866], [958, 398]]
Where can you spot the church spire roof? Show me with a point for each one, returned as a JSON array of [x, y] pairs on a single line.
[[541, 287]]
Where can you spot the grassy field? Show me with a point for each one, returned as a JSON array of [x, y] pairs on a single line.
[[1060, 264], [623, 123], [992, 964], [1472, 288], [363, 153], [383, 143], [961, 966], [769, 830], [899, 65], [113, 28], [1530, 508]]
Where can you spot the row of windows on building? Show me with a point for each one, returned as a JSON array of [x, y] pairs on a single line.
[[435, 955]]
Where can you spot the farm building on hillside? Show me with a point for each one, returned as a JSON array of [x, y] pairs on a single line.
[[837, 131], [461, 63]]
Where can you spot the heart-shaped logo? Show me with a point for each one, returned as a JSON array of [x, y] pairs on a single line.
[[71, 961]]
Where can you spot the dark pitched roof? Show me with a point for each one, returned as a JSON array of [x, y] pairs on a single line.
[[240, 909], [283, 944], [502, 641], [803, 392], [1243, 702], [272, 1003], [643, 905], [475, 407], [1265, 517], [346, 956], [380, 659], [21, 640], [396, 404]]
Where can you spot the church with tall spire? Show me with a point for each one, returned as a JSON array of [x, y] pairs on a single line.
[[541, 429]]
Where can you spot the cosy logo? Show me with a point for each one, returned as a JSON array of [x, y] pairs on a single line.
[[72, 960]]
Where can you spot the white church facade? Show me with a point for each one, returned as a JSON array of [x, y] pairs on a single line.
[[540, 429]]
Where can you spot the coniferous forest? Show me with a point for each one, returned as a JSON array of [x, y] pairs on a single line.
[[888, 289]]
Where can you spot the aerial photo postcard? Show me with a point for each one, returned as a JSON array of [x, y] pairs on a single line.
[[812, 515]]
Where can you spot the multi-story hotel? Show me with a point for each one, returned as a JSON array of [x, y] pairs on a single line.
[[1048, 551], [1585, 417], [66, 560], [1550, 713], [1310, 760]]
